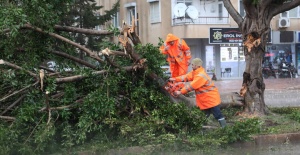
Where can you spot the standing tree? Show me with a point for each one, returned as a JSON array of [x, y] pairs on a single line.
[[85, 14], [255, 27]]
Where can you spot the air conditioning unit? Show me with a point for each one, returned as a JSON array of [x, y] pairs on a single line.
[[284, 22]]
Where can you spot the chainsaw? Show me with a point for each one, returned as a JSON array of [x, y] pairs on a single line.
[[171, 87]]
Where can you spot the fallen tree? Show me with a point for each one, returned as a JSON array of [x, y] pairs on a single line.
[[56, 90]]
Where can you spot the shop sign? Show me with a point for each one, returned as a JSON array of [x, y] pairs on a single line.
[[225, 35]]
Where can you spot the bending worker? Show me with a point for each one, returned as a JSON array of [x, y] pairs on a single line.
[[207, 95], [178, 55]]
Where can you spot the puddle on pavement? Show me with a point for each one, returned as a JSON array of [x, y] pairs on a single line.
[[284, 149]]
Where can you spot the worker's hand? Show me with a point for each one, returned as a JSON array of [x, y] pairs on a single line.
[[167, 48], [188, 62], [171, 79], [176, 93]]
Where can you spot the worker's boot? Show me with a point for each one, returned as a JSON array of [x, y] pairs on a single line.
[[222, 122]]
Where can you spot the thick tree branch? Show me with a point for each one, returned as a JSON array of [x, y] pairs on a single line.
[[74, 29], [8, 118], [233, 13], [86, 50], [80, 61], [48, 106], [19, 91], [128, 32], [80, 77], [109, 52], [12, 105], [5, 31], [132, 33], [2, 62], [57, 108], [61, 107], [284, 6], [81, 30]]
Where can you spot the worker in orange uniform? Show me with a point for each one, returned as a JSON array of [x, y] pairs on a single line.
[[207, 95], [178, 55]]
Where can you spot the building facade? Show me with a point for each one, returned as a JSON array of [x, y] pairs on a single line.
[[200, 22]]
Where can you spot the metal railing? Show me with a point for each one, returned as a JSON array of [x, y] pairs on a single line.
[[200, 20]]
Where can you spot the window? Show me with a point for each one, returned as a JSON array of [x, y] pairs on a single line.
[[186, 2], [286, 36], [154, 12], [130, 12], [116, 20], [222, 12], [98, 27], [242, 9], [220, 6], [293, 13]]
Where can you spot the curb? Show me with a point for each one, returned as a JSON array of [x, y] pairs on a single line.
[[270, 140]]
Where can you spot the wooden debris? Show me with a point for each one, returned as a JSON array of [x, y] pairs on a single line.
[[252, 42]]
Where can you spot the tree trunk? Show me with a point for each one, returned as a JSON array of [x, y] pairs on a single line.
[[253, 82]]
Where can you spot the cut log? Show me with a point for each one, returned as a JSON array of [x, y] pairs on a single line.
[[227, 100]]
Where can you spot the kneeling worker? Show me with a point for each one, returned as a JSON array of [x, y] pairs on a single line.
[[207, 95]]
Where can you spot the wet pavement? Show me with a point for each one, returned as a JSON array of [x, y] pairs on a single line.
[[234, 85], [278, 93]]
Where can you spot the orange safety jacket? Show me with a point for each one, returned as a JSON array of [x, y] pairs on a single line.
[[207, 94], [178, 55]]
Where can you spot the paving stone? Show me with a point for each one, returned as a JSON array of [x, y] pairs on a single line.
[[283, 92]]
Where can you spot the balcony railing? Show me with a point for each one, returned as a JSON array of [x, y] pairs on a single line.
[[201, 20]]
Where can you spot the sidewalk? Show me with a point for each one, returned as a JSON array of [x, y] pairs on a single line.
[[279, 92]]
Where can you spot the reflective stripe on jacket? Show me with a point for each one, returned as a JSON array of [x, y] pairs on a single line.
[[207, 95]]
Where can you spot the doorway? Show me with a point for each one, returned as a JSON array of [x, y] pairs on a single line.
[[210, 60]]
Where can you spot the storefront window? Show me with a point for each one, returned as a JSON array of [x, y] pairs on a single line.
[[278, 53], [232, 61]]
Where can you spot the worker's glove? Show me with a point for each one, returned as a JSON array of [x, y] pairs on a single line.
[[188, 62], [167, 47], [172, 79], [176, 93]]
